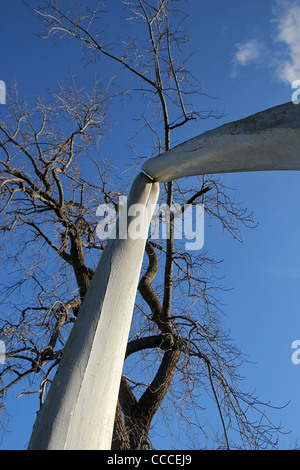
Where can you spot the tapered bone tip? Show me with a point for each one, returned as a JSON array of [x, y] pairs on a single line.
[[269, 140]]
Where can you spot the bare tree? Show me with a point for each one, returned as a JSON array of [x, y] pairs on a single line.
[[178, 351], [48, 221]]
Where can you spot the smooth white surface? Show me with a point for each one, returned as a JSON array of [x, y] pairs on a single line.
[[80, 407], [269, 140]]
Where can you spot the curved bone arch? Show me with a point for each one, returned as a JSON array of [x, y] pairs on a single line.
[[79, 409]]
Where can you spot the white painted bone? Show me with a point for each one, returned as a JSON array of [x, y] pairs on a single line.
[[80, 407], [265, 141]]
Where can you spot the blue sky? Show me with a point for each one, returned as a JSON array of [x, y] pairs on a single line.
[[246, 55]]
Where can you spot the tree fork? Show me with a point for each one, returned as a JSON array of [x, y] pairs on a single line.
[[81, 271]]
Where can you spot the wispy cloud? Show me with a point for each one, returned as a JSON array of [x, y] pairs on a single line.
[[285, 59], [248, 52], [287, 22]]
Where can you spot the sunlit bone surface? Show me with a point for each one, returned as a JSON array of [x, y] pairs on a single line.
[[268, 140]]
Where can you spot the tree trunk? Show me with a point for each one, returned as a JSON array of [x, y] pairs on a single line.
[[144, 411]]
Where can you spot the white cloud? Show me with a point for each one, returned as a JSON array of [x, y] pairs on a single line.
[[287, 21], [248, 52], [285, 59]]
